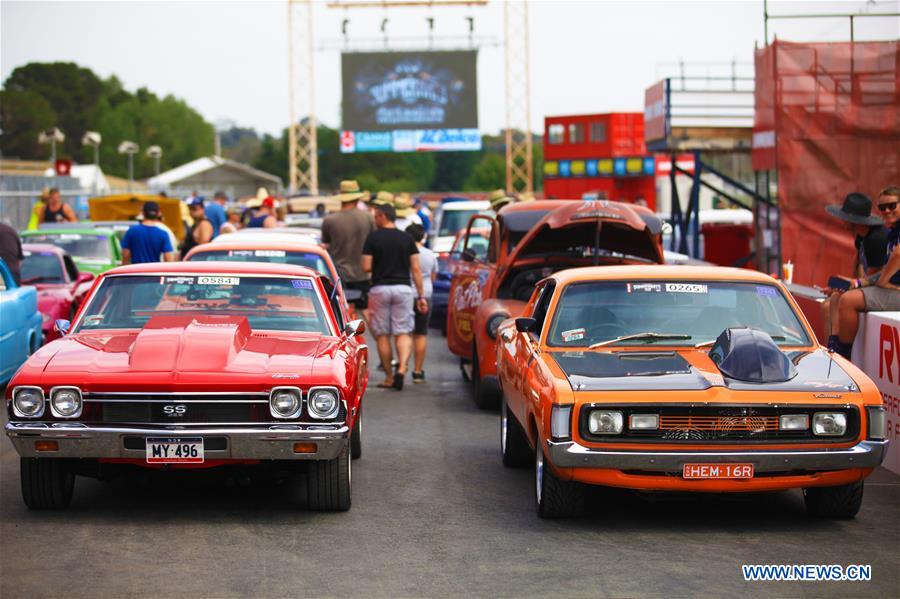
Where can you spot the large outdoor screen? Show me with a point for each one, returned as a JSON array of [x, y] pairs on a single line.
[[409, 101]]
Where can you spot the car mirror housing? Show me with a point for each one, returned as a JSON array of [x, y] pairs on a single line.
[[62, 326], [526, 325], [355, 328], [84, 277]]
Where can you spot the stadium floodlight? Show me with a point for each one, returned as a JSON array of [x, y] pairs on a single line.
[[155, 152], [130, 148], [93, 139], [52, 137]]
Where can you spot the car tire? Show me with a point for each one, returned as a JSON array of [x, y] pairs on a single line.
[[47, 483], [513, 444], [356, 437], [555, 498], [328, 483], [843, 501], [484, 398]]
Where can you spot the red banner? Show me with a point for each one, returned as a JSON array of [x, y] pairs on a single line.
[[656, 112]]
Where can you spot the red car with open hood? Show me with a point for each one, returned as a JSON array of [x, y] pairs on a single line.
[[195, 365]]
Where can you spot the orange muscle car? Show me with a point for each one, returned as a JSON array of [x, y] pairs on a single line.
[[681, 378]]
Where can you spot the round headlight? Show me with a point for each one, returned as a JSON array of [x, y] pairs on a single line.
[[28, 402], [285, 403], [65, 402], [323, 403]]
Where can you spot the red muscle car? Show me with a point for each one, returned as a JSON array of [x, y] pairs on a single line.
[[61, 288], [195, 365]]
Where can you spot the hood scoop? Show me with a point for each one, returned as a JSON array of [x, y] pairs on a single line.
[[207, 343], [750, 355]]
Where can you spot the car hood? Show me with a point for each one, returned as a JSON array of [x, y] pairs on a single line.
[[198, 347], [690, 370]]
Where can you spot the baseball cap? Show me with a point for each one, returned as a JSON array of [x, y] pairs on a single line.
[[150, 209], [269, 202], [198, 201]]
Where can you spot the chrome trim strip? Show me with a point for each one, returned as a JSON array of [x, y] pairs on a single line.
[[189, 393], [184, 401], [865, 454]]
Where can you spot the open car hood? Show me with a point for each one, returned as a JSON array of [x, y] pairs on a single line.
[[622, 229]]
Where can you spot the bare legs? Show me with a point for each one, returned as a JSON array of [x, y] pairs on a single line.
[[420, 343], [404, 349], [852, 303], [384, 353]]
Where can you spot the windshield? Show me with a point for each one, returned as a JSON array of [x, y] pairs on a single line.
[[307, 259], [589, 313], [78, 245], [454, 220], [269, 303], [41, 267]]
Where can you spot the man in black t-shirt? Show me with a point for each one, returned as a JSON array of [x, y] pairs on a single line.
[[391, 256]]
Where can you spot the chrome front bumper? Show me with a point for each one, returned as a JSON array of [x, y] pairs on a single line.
[[242, 443], [866, 454]]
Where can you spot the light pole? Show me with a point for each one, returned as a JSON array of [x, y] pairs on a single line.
[[93, 138], [51, 136], [155, 152], [130, 148]]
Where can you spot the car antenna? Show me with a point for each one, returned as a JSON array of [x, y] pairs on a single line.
[[334, 291]]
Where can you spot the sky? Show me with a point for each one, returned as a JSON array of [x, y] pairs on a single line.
[[229, 60]]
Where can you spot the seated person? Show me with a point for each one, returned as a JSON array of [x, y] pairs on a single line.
[[879, 292], [870, 242]]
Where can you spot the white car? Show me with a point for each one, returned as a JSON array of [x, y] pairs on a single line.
[[449, 218]]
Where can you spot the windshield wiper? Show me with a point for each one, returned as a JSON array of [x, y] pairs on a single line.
[[711, 341], [640, 336]]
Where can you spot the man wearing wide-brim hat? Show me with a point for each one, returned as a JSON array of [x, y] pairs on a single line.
[[406, 214], [870, 241], [382, 198], [499, 199], [343, 233]]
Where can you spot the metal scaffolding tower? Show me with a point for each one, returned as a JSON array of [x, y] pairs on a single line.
[[303, 160], [519, 167]]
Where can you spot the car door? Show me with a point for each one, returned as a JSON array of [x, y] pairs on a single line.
[[468, 285]]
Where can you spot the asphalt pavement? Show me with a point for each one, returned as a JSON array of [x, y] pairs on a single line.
[[434, 514]]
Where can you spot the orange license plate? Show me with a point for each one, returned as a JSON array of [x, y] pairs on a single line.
[[717, 471]]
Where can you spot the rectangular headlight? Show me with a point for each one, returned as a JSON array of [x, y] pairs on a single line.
[[829, 424], [793, 422], [560, 422], [605, 422], [643, 422], [877, 423]]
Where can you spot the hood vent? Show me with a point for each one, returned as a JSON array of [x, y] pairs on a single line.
[[750, 355]]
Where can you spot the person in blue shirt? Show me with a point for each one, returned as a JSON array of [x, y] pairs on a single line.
[[145, 242], [215, 212]]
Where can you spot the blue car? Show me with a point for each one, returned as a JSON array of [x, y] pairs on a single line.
[[20, 325]]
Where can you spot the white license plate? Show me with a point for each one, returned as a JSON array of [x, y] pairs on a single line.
[[176, 450]]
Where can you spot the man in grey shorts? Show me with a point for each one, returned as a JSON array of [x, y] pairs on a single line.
[[392, 258]]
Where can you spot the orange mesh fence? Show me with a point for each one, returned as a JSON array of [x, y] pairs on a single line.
[[828, 120]]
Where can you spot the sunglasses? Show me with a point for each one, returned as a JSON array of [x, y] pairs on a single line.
[[887, 207]]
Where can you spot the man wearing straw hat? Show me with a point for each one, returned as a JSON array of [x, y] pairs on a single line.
[[406, 214], [499, 199], [344, 233]]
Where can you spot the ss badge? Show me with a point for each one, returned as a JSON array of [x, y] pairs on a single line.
[[175, 411]]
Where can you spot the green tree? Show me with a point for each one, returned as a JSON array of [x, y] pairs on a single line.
[[22, 115], [74, 93], [490, 173]]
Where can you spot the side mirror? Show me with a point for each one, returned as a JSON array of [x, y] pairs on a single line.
[[526, 325], [355, 328], [61, 326], [468, 255], [84, 277]]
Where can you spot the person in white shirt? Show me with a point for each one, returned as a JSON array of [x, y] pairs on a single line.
[[428, 264], [406, 214]]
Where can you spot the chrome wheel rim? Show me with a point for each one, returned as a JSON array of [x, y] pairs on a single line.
[[538, 472]]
